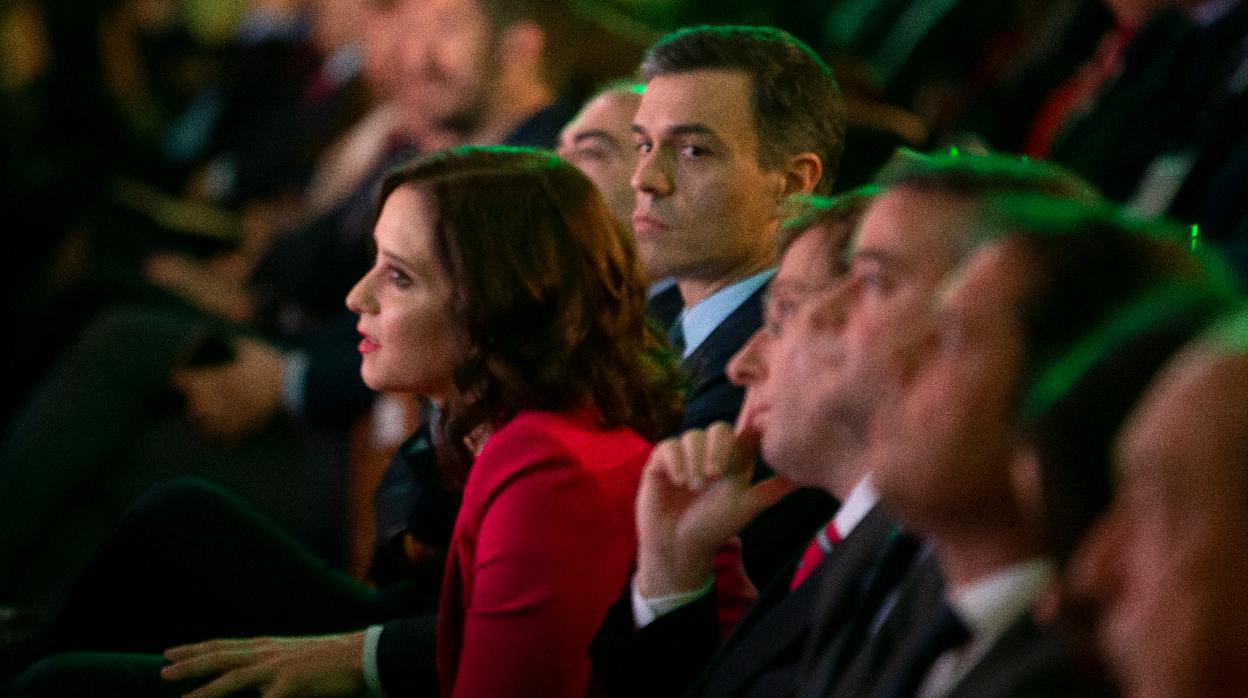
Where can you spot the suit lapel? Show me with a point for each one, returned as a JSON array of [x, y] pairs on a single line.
[[883, 653], [711, 396], [846, 618], [708, 360], [781, 621], [664, 306], [1026, 660]]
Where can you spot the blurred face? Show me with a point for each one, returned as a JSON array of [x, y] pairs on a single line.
[[902, 253], [793, 441], [380, 41], [706, 211], [410, 343], [1167, 564], [336, 23], [599, 142], [946, 434], [447, 62]]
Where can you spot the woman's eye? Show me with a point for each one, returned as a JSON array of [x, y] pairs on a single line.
[[398, 277]]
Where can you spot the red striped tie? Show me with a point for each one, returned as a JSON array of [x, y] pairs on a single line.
[[818, 547]]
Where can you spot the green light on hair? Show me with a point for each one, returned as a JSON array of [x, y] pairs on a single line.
[[1195, 236], [953, 151], [1152, 309]]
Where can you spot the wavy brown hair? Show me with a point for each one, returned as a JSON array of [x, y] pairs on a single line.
[[548, 292]]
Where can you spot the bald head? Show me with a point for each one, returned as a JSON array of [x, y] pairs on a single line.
[[599, 142]]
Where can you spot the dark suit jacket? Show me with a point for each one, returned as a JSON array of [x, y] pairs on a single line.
[[1027, 660], [712, 397], [762, 655], [664, 306]]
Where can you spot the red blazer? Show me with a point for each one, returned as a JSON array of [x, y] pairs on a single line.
[[544, 542]]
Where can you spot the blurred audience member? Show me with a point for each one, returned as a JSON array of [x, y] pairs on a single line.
[[698, 492], [732, 121], [1165, 565]]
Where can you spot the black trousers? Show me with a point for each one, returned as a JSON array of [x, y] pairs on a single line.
[[192, 562], [102, 430]]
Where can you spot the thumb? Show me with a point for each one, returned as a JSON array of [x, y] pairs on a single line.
[[748, 438], [745, 452]]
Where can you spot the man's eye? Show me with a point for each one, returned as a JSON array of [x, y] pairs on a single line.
[[694, 151], [777, 313], [644, 147], [873, 282]]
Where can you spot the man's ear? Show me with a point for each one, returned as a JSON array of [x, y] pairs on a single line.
[[802, 173], [523, 44]]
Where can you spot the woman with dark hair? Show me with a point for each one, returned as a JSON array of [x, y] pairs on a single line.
[[503, 291]]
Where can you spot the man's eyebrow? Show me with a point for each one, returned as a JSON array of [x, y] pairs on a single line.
[[694, 129]]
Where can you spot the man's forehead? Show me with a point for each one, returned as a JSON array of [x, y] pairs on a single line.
[[602, 114], [906, 225], [996, 270], [716, 99], [1195, 403]]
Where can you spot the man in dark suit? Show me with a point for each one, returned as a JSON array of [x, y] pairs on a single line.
[[1166, 564], [827, 387], [732, 121], [950, 431], [685, 533]]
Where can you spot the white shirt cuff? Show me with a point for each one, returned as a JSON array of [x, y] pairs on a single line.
[[372, 673], [646, 611]]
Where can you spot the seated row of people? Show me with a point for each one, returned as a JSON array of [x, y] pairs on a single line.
[[930, 384]]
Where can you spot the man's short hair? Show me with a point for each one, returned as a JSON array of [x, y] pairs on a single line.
[[1088, 260], [797, 102], [978, 174], [840, 215], [1111, 298]]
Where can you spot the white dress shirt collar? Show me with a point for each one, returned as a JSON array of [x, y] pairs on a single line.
[[699, 321], [854, 509]]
